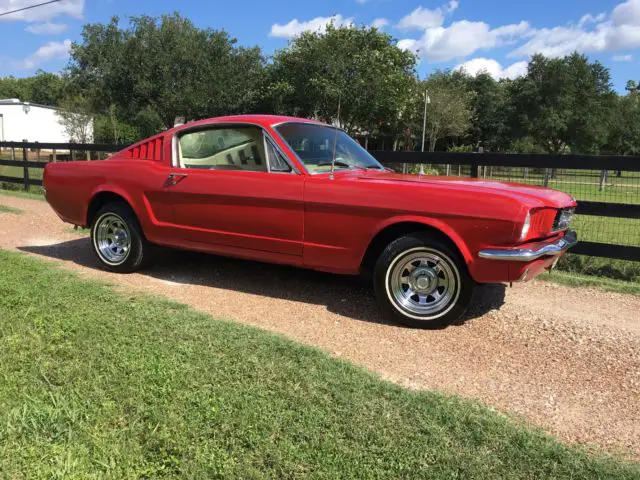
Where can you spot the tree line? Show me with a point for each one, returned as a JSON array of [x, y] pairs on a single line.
[[137, 79]]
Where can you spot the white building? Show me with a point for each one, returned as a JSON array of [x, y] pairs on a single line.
[[24, 121]]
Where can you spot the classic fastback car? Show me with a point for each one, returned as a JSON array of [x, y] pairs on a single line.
[[299, 192]]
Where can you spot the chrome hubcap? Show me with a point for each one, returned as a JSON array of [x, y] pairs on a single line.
[[423, 283], [112, 239]]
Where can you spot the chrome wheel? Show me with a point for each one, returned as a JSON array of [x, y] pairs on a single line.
[[112, 239], [423, 283]]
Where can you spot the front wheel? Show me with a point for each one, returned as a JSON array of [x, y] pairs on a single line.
[[422, 282]]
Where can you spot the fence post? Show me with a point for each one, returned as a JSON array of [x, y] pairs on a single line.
[[545, 181], [54, 159], [474, 170], [13, 153], [25, 168], [73, 153], [603, 179], [88, 155]]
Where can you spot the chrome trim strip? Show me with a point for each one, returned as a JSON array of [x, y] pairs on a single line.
[[527, 255]]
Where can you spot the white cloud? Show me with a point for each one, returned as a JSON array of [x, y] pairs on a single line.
[[462, 39], [379, 23], [421, 18], [73, 8], [588, 18], [47, 52], [47, 28], [592, 34], [408, 44], [452, 5], [623, 58], [318, 24], [493, 68], [617, 30]]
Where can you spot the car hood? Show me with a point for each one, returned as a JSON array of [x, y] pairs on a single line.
[[531, 194]]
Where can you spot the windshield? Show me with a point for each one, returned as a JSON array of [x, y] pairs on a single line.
[[314, 146]]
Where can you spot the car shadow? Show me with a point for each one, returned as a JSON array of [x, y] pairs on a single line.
[[345, 295]]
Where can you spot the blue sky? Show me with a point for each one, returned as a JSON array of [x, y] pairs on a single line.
[[493, 35]]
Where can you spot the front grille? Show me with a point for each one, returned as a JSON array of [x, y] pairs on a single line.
[[563, 218]]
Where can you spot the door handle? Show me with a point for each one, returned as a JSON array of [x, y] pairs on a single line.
[[174, 179]]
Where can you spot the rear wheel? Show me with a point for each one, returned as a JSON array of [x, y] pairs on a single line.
[[117, 239], [421, 282]]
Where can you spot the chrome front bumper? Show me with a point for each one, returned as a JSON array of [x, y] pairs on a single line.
[[529, 254]]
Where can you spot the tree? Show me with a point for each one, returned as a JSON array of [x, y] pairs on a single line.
[[564, 103], [489, 128], [75, 118], [165, 67], [359, 70], [43, 88], [11, 87], [625, 133], [449, 113], [632, 86]]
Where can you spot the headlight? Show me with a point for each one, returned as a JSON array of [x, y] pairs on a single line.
[[562, 219], [525, 226]]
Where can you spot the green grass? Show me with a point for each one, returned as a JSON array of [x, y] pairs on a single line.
[[625, 270], [580, 280], [622, 231], [83, 232], [97, 384], [7, 209], [584, 184], [18, 172], [33, 194]]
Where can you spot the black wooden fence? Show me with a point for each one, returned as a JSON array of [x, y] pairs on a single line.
[[35, 155], [607, 187]]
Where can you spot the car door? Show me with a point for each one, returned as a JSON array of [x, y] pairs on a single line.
[[230, 186]]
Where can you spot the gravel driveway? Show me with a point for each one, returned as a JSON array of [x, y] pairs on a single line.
[[567, 359]]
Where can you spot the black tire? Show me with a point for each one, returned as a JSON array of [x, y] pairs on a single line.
[[438, 273], [139, 250]]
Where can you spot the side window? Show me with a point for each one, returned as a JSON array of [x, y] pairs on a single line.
[[228, 148], [276, 162]]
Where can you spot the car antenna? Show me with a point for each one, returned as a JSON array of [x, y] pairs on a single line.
[[335, 141]]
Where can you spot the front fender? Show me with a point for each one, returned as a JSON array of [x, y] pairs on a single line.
[[435, 223]]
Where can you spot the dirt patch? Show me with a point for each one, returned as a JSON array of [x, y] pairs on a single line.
[[567, 359]]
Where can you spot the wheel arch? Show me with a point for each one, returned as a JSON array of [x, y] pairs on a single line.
[[103, 196], [397, 227]]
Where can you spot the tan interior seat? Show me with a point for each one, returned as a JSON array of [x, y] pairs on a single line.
[[246, 150]]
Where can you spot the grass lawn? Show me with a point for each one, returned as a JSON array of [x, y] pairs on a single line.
[[7, 209], [33, 194], [581, 280], [583, 184], [100, 384], [18, 172]]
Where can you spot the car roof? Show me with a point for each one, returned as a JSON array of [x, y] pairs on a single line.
[[255, 119]]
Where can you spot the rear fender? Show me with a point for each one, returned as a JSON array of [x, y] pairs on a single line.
[[111, 188]]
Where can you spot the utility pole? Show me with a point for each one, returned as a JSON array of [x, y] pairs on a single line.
[[427, 100]]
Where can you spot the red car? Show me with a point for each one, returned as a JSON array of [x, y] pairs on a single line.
[[299, 192]]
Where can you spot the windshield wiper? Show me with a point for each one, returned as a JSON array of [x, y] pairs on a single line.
[[340, 163], [327, 163]]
